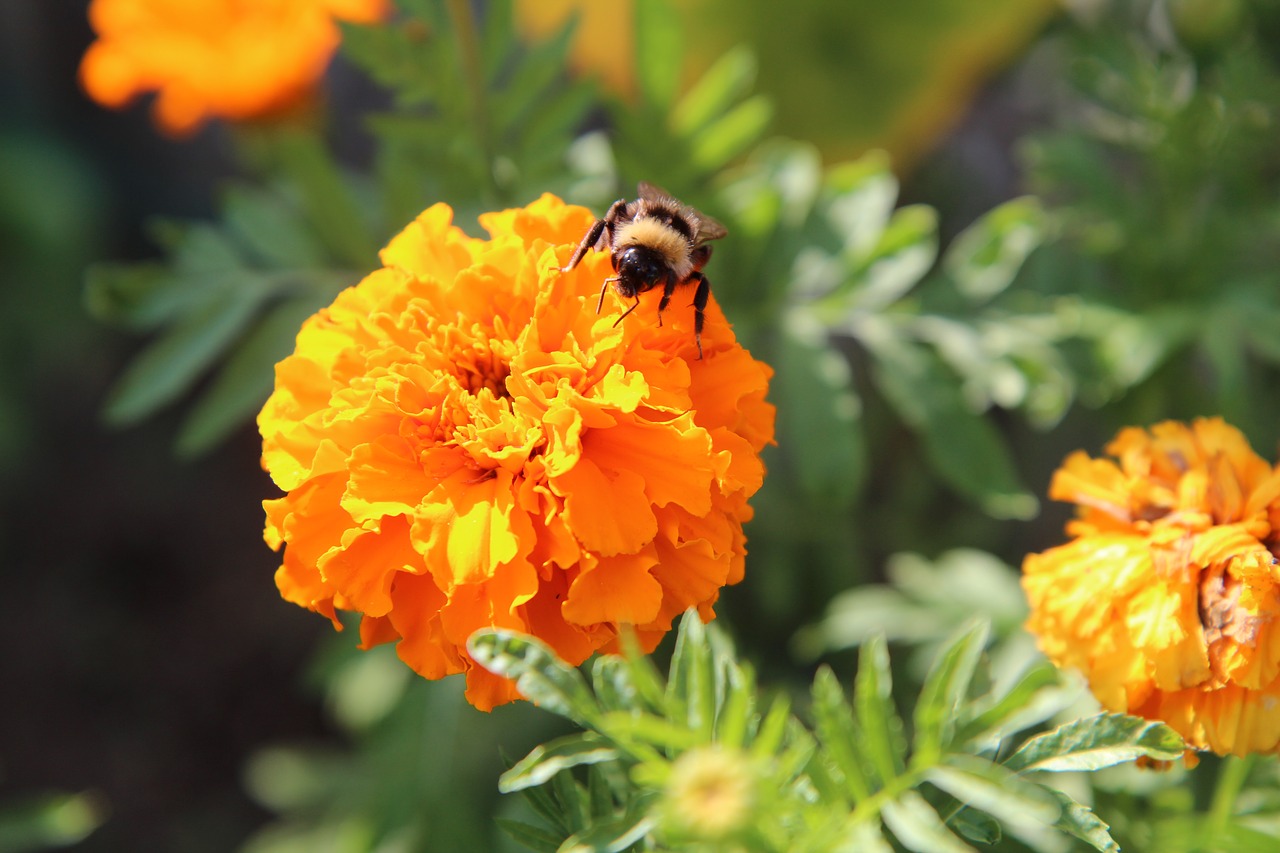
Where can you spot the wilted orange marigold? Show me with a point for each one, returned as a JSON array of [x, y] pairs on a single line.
[[1167, 596], [234, 59], [465, 443]]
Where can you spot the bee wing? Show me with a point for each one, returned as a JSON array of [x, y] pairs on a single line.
[[653, 192], [708, 227]]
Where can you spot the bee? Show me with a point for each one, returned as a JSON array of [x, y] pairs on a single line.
[[654, 240]]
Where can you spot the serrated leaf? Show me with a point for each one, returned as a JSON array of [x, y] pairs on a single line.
[[729, 78], [882, 729], [1009, 713], [839, 735], [244, 381], [905, 251], [534, 837], [659, 50], [819, 407], [917, 826], [540, 676], [608, 837], [548, 759], [571, 799], [984, 258], [270, 230], [976, 826], [611, 682], [170, 365], [630, 729], [737, 715], [327, 199], [1097, 742], [692, 685], [945, 689], [1081, 822], [769, 738], [137, 296], [860, 197], [980, 784]]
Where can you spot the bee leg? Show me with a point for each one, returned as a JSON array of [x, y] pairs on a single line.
[[700, 297], [634, 306], [667, 290], [603, 287], [594, 236]]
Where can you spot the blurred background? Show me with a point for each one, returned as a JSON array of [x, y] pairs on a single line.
[[150, 672]]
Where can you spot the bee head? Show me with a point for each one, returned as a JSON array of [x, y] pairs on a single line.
[[640, 268]]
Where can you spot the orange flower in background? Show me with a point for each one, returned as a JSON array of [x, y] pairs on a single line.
[[465, 443], [1167, 596], [233, 59]]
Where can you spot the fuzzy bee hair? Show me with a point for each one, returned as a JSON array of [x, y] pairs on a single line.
[[654, 241], [674, 247]]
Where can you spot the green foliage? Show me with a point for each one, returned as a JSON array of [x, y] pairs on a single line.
[[858, 775], [1164, 188], [48, 821]]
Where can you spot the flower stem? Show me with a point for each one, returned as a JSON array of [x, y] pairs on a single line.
[[1231, 778], [464, 27]]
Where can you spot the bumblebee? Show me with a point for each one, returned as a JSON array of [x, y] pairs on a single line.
[[654, 240]]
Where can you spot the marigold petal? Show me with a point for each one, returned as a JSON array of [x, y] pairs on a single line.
[[618, 589], [367, 563], [607, 510]]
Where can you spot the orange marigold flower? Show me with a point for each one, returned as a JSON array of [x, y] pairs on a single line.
[[1166, 597], [235, 59], [465, 443]]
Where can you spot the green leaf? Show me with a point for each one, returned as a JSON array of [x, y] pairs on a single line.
[[244, 381], [612, 683], [1035, 698], [171, 364], [914, 823], [818, 407], [136, 296], [542, 677], [729, 78], [692, 685], [906, 250], [858, 201], [945, 689], [980, 784], [1097, 742], [769, 739], [737, 715], [629, 729], [878, 719], [271, 230], [976, 826], [965, 449], [534, 837], [546, 760], [1079, 821], [327, 199], [984, 259], [839, 735], [732, 134], [659, 42]]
